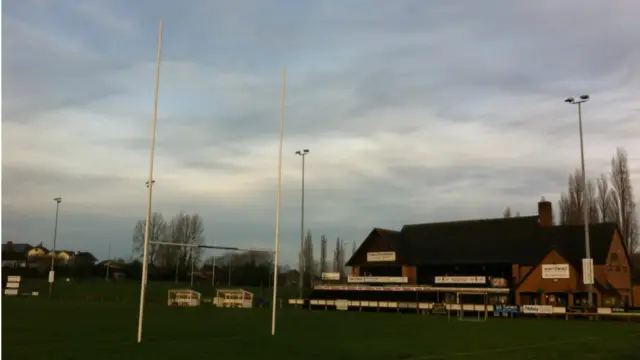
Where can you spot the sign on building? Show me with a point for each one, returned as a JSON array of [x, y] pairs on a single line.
[[587, 271], [499, 282], [537, 309], [378, 279], [334, 276], [460, 280], [381, 256], [555, 271]]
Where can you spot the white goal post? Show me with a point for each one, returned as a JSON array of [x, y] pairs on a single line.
[[183, 298]]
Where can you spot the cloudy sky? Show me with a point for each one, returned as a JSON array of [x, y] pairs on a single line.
[[414, 111]]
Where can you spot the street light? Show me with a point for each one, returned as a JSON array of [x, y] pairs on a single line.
[[585, 198], [58, 200], [302, 153]]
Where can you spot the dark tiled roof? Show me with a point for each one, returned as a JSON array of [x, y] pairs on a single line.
[[42, 248], [392, 237], [569, 241], [21, 248], [503, 240], [470, 242]]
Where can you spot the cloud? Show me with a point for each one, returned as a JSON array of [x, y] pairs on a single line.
[[413, 113]]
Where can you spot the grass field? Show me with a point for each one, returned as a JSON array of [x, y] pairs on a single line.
[[35, 329]]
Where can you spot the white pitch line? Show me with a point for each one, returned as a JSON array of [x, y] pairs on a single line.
[[508, 349]]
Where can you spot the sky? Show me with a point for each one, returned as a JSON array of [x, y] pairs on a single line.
[[413, 111]]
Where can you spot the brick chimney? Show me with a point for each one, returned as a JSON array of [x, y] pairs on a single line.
[[545, 213]]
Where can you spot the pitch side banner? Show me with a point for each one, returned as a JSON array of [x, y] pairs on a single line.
[[460, 279], [505, 309], [378, 279], [537, 309]]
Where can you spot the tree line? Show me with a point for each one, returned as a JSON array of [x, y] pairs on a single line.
[[609, 197], [237, 267], [312, 269]]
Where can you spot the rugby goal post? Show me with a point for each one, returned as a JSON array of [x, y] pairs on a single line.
[[183, 298]]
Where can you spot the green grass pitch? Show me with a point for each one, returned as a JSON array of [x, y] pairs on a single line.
[[60, 329]]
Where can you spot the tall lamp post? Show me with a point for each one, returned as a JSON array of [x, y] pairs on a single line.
[[302, 153], [585, 199], [58, 200]]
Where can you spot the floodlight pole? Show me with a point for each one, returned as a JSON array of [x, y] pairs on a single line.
[[213, 270], [58, 200], [192, 263], [585, 197], [303, 154], [145, 252], [278, 201], [106, 277]]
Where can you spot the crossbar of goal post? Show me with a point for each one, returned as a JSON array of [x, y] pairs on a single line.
[[210, 246], [232, 248]]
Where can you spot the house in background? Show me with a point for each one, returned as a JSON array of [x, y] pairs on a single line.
[[63, 257], [37, 252], [15, 255]]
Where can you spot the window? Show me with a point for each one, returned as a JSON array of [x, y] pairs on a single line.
[[618, 268], [624, 269], [614, 257]]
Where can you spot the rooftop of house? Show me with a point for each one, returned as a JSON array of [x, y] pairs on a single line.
[[521, 240], [16, 247]]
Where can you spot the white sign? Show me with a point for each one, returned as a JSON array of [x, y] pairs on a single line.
[[537, 309], [342, 305], [461, 280], [330, 276], [587, 271], [381, 256], [378, 279], [555, 271], [51, 276]]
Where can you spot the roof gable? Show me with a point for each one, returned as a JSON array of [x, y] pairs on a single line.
[[390, 238]]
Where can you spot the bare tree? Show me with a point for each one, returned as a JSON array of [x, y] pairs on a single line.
[[624, 203], [307, 254], [571, 203], [605, 200], [323, 254], [354, 248], [507, 212], [183, 229], [157, 232], [338, 258]]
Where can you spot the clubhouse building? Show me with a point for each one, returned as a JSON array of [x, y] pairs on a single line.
[[521, 260]]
